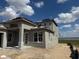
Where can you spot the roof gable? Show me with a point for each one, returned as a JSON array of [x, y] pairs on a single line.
[[21, 20], [47, 20], [50, 20]]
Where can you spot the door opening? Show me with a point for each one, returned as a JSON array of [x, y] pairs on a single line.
[[25, 38], [1, 38]]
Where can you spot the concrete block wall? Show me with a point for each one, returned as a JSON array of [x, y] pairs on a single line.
[[50, 40], [36, 44]]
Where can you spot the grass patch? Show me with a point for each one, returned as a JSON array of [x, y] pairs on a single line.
[[73, 42]]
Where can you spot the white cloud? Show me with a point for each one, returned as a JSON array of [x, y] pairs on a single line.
[[27, 10], [76, 29], [57, 20], [21, 6], [18, 2], [76, 25], [75, 12], [69, 34], [69, 25], [39, 4], [15, 8], [61, 1], [72, 16], [66, 26], [9, 13]]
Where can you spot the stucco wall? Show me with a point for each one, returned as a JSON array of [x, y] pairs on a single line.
[[50, 40], [55, 29], [4, 39], [31, 40], [56, 35], [28, 27]]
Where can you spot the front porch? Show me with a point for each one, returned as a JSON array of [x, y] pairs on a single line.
[[13, 38]]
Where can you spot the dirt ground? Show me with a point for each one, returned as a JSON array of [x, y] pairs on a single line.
[[61, 51]]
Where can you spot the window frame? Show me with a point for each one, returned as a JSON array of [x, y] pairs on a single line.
[[26, 37], [38, 40], [35, 37]]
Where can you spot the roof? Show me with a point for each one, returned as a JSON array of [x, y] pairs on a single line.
[[19, 19], [26, 21], [47, 20], [42, 29], [2, 26], [50, 20]]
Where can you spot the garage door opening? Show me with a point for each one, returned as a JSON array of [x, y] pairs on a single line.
[[1, 38]]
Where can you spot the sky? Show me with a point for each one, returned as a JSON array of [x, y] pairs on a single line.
[[64, 12]]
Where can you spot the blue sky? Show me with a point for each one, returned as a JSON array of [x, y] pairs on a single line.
[[64, 12]]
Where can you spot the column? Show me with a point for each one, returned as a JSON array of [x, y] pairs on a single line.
[[4, 41], [21, 35]]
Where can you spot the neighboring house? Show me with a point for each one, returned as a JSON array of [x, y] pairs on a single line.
[[20, 32]]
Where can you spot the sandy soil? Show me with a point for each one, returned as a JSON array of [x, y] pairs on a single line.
[[61, 51]]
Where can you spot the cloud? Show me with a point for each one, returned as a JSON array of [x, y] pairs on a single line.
[[61, 1], [39, 4], [21, 6], [69, 25], [69, 17], [74, 32], [57, 20], [69, 34], [9, 13], [16, 8], [76, 29], [66, 26], [76, 25], [27, 10]]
